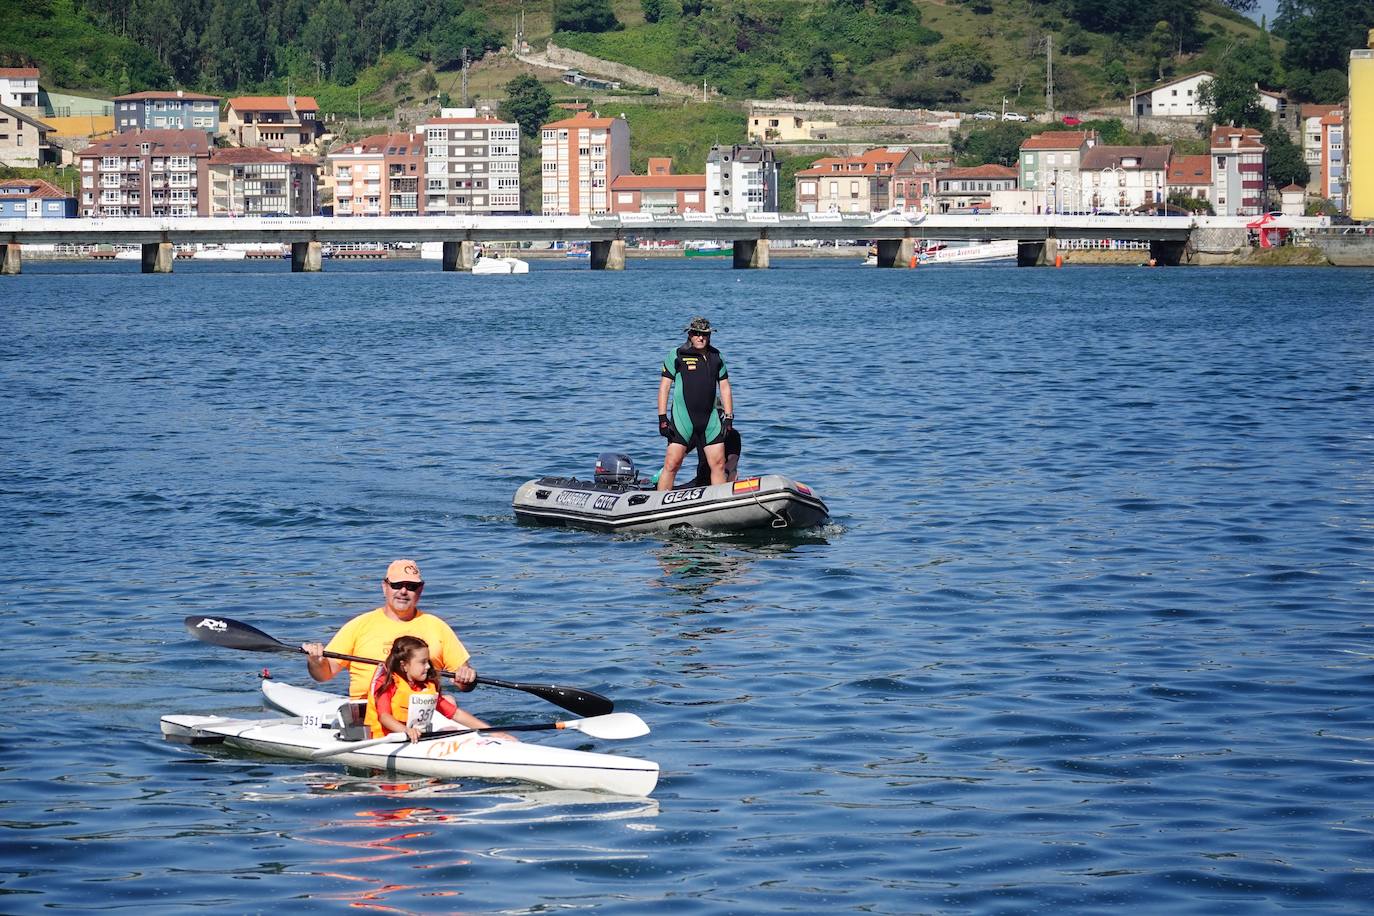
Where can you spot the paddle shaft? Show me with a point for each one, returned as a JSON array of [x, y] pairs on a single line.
[[233, 634], [614, 725]]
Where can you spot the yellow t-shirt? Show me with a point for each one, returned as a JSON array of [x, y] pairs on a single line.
[[370, 635]]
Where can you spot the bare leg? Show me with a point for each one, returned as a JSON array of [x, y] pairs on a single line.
[[715, 456], [671, 462]]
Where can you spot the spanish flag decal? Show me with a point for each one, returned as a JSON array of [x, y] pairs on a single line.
[[746, 486]]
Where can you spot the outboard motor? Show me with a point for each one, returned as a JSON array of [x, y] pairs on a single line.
[[615, 468]]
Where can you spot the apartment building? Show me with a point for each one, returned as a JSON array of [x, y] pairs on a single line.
[[741, 179], [1238, 167], [146, 173], [1331, 166], [581, 156], [174, 109], [34, 198], [23, 139], [660, 191], [379, 176], [19, 87], [282, 121], [880, 179], [1123, 178], [1359, 136], [472, 164], [1049, 165], [262, 182], [1312, 133]]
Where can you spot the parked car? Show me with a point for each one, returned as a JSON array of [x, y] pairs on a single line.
[[1013, 116], [1071, 121], [985, 116]]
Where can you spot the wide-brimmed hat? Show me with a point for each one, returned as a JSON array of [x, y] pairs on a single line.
[[699, 326]]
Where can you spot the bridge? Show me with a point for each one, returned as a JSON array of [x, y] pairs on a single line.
[[894, 233]]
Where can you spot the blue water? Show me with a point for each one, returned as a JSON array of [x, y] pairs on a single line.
[[1091, 627]]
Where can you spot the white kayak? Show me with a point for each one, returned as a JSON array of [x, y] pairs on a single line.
[[320, 720]]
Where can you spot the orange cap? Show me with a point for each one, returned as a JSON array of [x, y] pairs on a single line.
[[403, 571]]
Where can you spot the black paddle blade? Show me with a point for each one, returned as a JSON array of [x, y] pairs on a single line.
[[583, 702], [233, 634]]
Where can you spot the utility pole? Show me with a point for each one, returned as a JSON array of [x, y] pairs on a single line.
[[465, 77], [1049, 74]]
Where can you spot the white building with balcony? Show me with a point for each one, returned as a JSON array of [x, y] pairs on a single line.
[[146, 173], [741, 179]]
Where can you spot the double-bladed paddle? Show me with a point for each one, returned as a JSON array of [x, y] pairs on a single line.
[[616, 726], [234, 634]]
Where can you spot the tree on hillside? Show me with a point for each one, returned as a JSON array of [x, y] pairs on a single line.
[[999, 143], [584, 16], [527, 103], [1285, 159], [1321, 33], [1232, 99]]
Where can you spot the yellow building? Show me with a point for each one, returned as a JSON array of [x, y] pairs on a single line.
[[1360, 133]]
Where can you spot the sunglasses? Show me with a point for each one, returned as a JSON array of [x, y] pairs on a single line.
[[408, 586], [698, 333]]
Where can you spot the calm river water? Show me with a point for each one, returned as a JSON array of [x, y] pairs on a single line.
[[1091, 627]]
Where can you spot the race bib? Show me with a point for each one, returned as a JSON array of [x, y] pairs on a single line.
[[420, 710]]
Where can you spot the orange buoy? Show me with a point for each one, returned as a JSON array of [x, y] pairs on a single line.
[[1059, 260], [914, 261]]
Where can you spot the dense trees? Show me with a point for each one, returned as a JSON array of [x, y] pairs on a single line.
[[527, 103], [232, 44], [1320, 36]]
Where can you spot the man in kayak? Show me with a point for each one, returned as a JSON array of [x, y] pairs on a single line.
[[371, 635], [692, 373]]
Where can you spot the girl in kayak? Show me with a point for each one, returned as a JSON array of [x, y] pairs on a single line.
[[405, 693]]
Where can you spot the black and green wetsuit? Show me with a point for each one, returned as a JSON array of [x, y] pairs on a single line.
[[695, 374]]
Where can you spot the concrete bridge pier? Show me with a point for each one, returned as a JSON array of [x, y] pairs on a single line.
[[896, 252], [459, 255], [9, 259], [157, 257], [1037, 254], [608, 255], [1167, 253], [306, 257], [750, 254]]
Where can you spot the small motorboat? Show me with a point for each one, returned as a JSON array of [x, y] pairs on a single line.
[[618, 499], [320, 720], [491, 264]]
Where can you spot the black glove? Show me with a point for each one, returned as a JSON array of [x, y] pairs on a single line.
[[728, 420], [663, 428]]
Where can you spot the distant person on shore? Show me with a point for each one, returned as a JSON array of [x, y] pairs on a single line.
[[692, 373], [372, 635]]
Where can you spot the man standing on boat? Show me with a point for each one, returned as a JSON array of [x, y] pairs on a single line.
[[370, 635], [692, 373]]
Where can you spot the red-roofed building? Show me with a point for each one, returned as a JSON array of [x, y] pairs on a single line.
[[284, 121], [262, 182], [1191, 175], [961, 189], [34, 198], [472, 164], [167, 109], [379, 176], [661, 191], [1331, 167], [147, 173], [582, 155], [19, 87], [880, 179], [1049, 164], [1238, 168]]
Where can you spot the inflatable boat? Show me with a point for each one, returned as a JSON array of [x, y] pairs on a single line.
[[618, 499]]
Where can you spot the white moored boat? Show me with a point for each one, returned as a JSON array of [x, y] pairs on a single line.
[[321, 720], [616, 499]]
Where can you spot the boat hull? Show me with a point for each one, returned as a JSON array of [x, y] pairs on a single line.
[[769, 502], [318, 716]]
